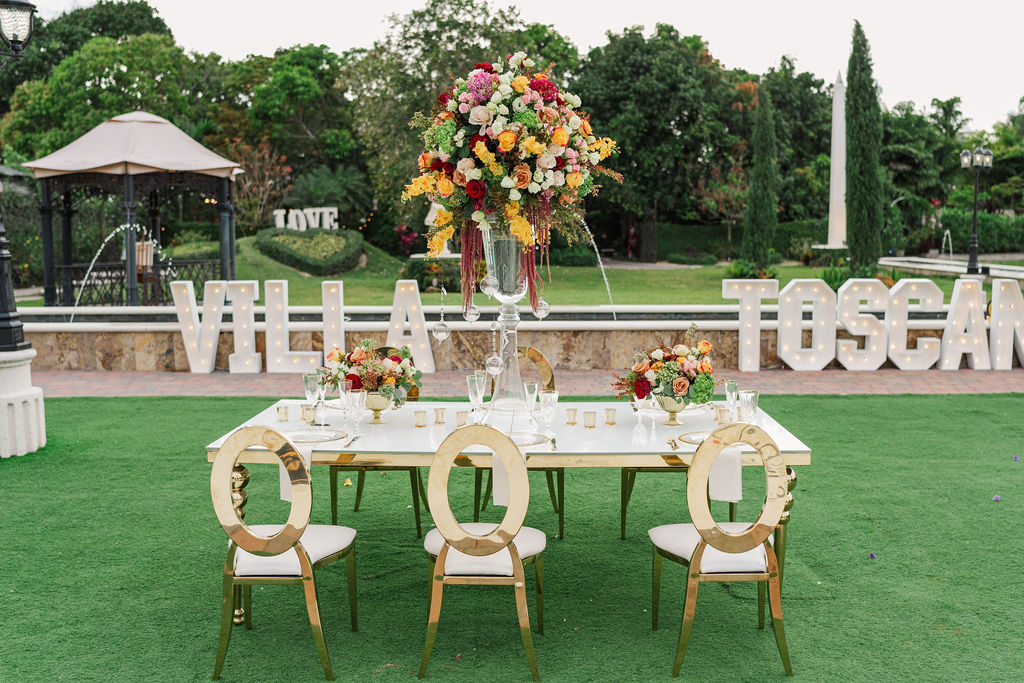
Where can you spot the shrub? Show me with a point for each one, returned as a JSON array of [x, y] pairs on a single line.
[[741, 269], [194, 251], [318, 252], [693, 258], [576, 255], [834, 278], [996, 232], [429, 273], [183, 232]]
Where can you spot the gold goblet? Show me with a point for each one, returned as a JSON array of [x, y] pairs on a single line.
[[377, 402]]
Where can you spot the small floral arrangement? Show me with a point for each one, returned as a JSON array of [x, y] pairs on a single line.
[[507, 150], [392, 375], [682, 372]]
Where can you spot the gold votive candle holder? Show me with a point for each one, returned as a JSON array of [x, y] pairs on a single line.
[[439, 416], [461, 418], [589, 419], [570, 416], [421, 418], [282, 413], [609, 415], [308, 413]]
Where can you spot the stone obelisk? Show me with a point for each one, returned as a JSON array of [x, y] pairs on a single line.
[[837, 174]]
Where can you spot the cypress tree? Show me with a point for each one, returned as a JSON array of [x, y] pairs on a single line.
[[761, 218], [864, 201]]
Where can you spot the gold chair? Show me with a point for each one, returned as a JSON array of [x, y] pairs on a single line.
[[628, 475], [415, 482], [556, 491], [733, 551], [477, 553], [272, 553]]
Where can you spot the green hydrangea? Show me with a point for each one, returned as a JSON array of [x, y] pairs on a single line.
[[668, 372], [443, 135], [702, 388], [528, 118], [585, 186]]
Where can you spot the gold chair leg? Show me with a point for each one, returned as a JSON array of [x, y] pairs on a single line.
[[550, 476], [436, 593], [360, 481], [775, 598], [780, 549], [239, 617], [684, 630], [414, 481], [350, 560], [655, 589], [423, 491], [561, 504], [538, 567], [625, 491], [334, 495], [478, 483], [309, 587], [524, 629], [247, 605], [227, 610], [760, 604]]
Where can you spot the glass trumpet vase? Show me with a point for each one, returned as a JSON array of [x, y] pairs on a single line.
[[507, 410]]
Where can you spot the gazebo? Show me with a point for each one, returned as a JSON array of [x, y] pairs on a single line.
[[135, 153]]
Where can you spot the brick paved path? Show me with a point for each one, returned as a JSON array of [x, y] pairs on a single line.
[[57, 383]]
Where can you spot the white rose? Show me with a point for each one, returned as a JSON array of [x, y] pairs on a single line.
[[496, 97], [534, 188], [473, 174], [480, 116], [465, 165], [498, 66], [658, 354], [387, 364], [679, 350], [574, 122], [538, 176], [546, 184], [555, 150], [505, 77], [478, 216], [507, 182], [651, 376], [452, 104], [546, 161], [595, 158], [505, 89], [497, 127], [529, 63], [514, 195], [503, 110], [518, 104], [406, 363], [558, 179]]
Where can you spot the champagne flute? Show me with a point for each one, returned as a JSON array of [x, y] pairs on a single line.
[[311, 385], [548, 404], [531, 396], [475, 385]]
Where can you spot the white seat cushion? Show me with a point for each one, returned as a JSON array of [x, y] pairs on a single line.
[[528, 542], [319, 540], [682, 540]]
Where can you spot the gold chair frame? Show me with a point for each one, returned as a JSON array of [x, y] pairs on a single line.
[[238, 589], [415, 481], [556, 490], [455, 536], [773, 518], [628, 480]]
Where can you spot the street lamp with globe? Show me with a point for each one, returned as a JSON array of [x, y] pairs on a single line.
[[978, 159]]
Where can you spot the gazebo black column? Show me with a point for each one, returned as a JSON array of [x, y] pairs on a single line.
[[46, 216], [154, 235], [233, 230], [226, 243], [131, 271], [67, 282]]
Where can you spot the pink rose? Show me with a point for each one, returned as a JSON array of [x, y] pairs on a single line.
[[334, 355], [465, 165], [546, 161], [463, 108], [360, 355], [680, 385], [480, 116]]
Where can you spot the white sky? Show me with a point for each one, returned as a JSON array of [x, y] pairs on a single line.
[[918, 48]]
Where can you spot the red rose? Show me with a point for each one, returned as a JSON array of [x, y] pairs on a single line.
[[485, 67], [357, 384], [397, 359], [443, 98], [436, 164], [475, 189], [559, 163], [448, 168], [545, 88], [642, 388]]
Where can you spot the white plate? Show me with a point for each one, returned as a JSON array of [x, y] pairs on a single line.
[[695, 438]]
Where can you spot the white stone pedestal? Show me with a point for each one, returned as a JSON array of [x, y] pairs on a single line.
[[22, 417]]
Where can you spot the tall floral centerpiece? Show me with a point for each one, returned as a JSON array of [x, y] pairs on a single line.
[[509, 158]]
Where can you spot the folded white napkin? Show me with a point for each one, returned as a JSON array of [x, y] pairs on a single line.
[[725, 481], [306, 453], [499, 482]]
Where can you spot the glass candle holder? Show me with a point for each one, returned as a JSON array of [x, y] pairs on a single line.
[[308, 413], [439, 416], [421, 418], [747, 405], [609, 415], [282, 413], [461, 418], [589, 419], [570, 416]]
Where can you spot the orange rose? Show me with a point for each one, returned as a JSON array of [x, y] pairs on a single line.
[[360, 354], [585, 129], [705, 367], [704, 347], [574, 179], [547, 114], [560, 136], [642, 367], [680, 385], [459, 178], [522, 174], [334, 355], [506, 141], [445, 187], [425, 160]]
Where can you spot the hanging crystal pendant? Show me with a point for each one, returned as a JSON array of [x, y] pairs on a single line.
[[543, 308], [472, 314]]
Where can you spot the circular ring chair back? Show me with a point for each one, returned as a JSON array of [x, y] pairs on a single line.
[[437, 489], [777, 495], [221, 490]]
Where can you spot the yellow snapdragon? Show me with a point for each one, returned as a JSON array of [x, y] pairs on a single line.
[[418, 186]]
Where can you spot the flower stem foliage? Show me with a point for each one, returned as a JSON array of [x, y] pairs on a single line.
[[864, 200], [761, 218]]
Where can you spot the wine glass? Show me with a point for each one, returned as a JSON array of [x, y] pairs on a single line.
[[311, 384], [548, 404], [475, 384], [321, 392], [531, 395]]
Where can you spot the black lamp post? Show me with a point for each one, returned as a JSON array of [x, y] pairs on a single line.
[[979, 159], [16, 24]]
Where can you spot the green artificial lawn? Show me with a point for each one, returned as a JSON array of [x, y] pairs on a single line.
[[113, 558]]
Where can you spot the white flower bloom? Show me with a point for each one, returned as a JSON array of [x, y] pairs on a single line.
[[442, 156], [387, 364], [546, 184], [517, 59], [514, 195], [558, 179], [483, 225], [505, 78], [651, 376], [505, 89], [555, 150], [491, 107], [518, 104], [529, 63], [508, 182], [538, 175], [679, 349], [503, 110], [498, 66], [658, 354], [534, 188], [591, 139], [496, 97], [406, 364], [461, 134], [478, 216], [473, 174], [452, 104], [594, 157], [497, 127], [574, 122]]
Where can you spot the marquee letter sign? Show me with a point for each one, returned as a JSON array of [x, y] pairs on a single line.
[[1006, 329], [280, 358], [965, 328], [243, 295], [407, 306], [750, 293], [875, 295], [928, 294], [200, 338], [823, 324], [323, 217]]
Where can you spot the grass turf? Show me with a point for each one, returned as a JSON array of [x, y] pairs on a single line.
[[112, 559]]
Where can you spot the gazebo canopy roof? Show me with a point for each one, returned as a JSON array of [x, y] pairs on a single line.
[[133, 144]]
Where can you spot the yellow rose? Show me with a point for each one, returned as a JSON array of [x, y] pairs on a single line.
[[445, 187], [507, 141], [519, 84], [585, 129], [574, 179], [425, 160], [704, 347], [560, 136], [532, 146]]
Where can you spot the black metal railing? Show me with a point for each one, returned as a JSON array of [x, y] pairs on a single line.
[[106, 282]]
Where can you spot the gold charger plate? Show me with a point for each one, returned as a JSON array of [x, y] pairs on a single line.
[[315, 435]]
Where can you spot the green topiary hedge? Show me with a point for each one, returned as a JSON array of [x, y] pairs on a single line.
[[791, 239], [693, 258], [317, 252], [193, 251], [997, 232]]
